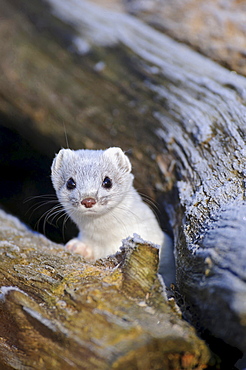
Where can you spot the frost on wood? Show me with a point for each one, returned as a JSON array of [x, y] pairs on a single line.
[[165, 102], [201, 117], [215, 27], [57, 311], [207, 139]]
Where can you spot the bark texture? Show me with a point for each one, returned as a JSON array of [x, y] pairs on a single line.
[[215, 28], [113, 80], [57, 311]]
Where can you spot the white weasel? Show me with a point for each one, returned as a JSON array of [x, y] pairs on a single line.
[[95, 187]]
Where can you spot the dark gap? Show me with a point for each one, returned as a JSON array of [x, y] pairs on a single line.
[[25, 174]]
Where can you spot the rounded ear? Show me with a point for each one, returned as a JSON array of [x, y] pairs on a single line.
[[58, 160], [117, 156], [56, 166]]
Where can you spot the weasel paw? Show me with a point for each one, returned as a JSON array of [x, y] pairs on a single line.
[[76, 246]]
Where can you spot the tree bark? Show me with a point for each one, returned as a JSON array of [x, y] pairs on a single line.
[[120, 82], [215, 28], [58, 311]]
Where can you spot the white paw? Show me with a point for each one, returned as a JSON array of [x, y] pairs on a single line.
[[76, 246]]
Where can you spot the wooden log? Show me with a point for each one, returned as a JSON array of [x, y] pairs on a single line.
[[202, 124], [214, 28], [57, 311], [132, 86]]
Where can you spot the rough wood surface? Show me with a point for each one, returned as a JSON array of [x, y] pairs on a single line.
[[201, 117], [57, 311], [113, 80], [213, 27]]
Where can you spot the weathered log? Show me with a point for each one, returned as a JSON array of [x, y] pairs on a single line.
[[57, 311], [187, 112], [215, 28]]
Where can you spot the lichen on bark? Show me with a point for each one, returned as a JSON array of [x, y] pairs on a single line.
[[59, 310]]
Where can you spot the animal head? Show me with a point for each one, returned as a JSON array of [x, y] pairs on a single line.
[[91, 181]]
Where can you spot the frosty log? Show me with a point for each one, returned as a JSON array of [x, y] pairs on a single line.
[[166, 102], [57, 311]]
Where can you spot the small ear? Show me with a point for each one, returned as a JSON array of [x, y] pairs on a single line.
[[56, 166], [59, 159], [120, 159]]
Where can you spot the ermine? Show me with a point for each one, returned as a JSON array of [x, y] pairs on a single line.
[[95, 187]]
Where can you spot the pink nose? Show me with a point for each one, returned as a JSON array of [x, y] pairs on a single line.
[[88, 202]]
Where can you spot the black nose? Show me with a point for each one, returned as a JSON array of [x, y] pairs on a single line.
[[88, 202]]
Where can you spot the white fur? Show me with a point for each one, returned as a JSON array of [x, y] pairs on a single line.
[[118, 213]]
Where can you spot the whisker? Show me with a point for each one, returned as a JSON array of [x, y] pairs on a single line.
[[48, 196], [148, 200], [151, 203], [53, 212], [153, 206], [66, 218], [121, 222], [127, 211], [38, 205]]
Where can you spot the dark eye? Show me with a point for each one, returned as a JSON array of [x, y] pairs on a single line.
[[107, 183], [71, 184]]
